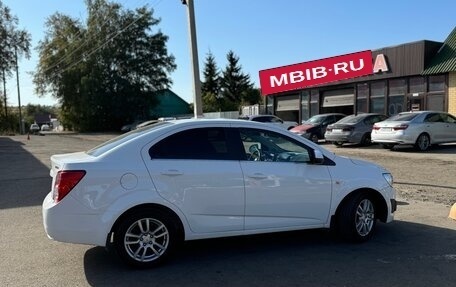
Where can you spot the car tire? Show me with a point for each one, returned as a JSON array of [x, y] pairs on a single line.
[[423, 142], [388, 146], [146, 238], [338, 144], [366, 140], [314, 138], [357, 218]]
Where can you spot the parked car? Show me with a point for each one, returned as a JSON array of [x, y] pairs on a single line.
[[45, 128], [271, 119], [314, 128], [146, 123], [353, 129], [421, 129], [131, 126], [34, 128], [146, 191]]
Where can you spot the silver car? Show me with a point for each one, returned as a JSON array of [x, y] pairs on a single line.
[[353, 129], [421, 129]]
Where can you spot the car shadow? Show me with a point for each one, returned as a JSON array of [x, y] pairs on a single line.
[[24, 180], [417, 254]]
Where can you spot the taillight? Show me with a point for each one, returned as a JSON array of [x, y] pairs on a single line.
[[348, 129], [376, 128], [329, 129], [401, 127], [65, 181]]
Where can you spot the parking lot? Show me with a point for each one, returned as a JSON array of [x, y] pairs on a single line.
[[418, 249]]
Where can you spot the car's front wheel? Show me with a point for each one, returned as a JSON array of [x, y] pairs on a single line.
[[356, 218], [146, 238]]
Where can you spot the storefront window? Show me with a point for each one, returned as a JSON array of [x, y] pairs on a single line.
[[436, 102], [377, 100], [361, 98], [314, 106], [437, 83], [416, 85], [305, 105], [397, 89]]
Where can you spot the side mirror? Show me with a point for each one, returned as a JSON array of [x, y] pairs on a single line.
[[318, 157]]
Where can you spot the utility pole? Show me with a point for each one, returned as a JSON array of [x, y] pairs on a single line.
[[21, 124], [197, 103], [4, 93]]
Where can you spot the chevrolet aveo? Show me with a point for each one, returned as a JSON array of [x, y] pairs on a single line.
[[146, 191]]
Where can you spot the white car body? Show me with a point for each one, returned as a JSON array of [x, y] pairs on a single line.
[[272, 120], [211, 198], [406, 129]]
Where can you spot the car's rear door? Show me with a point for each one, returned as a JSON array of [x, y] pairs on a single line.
[[195, 169]]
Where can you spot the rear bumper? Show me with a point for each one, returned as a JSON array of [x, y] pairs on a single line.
[[392, 138], [68, 221]]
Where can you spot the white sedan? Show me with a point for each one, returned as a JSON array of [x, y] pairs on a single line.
[[421, 129], [146, 191]]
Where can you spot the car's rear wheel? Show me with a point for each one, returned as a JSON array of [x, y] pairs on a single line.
[[338, 144], [387, 146], [356, 218], [366, 139], [146, 238], [423, 142]]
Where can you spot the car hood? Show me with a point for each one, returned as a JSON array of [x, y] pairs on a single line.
[[368, 164], [302, 128]]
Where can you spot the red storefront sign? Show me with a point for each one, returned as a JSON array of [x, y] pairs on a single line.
[[316, 72]]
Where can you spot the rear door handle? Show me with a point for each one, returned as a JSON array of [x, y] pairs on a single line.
[[172, 172], [258, 176]]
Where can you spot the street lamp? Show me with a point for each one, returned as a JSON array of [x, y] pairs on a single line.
[[197, 104]]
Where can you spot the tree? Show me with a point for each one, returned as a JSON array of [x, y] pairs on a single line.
[[104, 73], [210, 87], [14, 43], [234, 83]]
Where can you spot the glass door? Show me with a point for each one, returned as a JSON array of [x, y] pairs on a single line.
[[415, 102]]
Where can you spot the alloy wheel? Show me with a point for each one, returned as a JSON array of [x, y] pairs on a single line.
[[365, 217]]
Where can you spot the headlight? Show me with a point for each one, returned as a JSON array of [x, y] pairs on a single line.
[[389, 178]]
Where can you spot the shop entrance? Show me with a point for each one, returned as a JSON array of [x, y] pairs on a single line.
[[287, 108], [338, 101], [415, 102]]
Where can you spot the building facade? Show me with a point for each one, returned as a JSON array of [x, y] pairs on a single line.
[[413, 76]]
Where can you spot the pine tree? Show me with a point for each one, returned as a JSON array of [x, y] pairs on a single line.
[[210, 87]]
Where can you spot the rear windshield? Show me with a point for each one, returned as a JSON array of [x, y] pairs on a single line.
[[104, 147], [403, 117], [351, 119]]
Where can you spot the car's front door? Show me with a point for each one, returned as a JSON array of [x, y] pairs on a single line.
[[196, 171], [282, 188]]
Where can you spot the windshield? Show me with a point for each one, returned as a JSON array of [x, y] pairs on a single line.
[[318, 119], [104, 147], [403, 117], [353, 119]]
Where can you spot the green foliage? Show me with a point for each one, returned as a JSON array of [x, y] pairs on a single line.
[[103, 72], [229, 91], [14, 43]]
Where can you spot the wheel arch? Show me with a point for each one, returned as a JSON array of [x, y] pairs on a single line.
[[378, 200], [141, 207]]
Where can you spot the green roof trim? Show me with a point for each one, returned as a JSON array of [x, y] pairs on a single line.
[[445, 59]]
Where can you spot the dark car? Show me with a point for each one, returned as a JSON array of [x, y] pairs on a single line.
[[314, 128], [130, 127], [353, 129]]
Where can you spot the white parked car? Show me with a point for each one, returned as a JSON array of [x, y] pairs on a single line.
[[421, 129], [271, 119], [146, 191]]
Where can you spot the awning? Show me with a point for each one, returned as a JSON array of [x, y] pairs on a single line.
[[287, 103], [338, 98]]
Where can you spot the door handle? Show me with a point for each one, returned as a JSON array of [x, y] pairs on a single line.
[[172, 172], [258, 176]]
